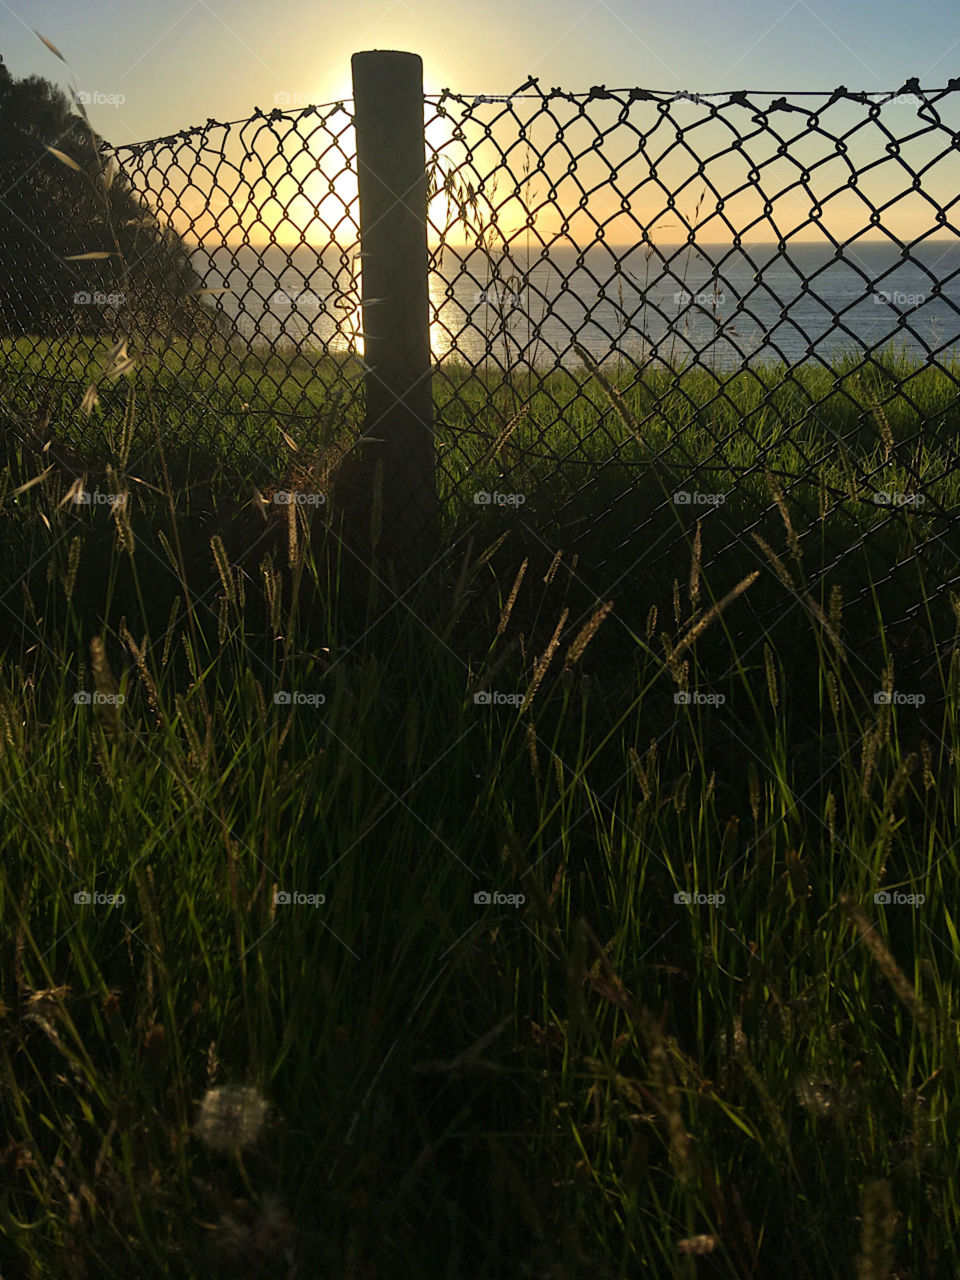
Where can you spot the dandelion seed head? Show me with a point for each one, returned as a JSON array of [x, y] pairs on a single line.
[[231, 1117], [824, 1098]]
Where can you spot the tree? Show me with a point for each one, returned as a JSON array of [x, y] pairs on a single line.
[[56, 207]]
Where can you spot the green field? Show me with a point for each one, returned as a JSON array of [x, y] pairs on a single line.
[[598, 1081]]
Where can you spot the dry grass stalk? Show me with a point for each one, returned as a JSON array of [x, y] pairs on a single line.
[[830, 813], [107, 687], [871, 743], [576, 650], [679, 671], [191, 658], [272, 588], [169, 632], [665, 1089], [511, 599], [165, 543], [492, 550], [825, 623], [139, 654], [291, 534], [622, 408], [773, 1113], [11, 718], [534, 757], [223, 567], [927, 757], [753, 785], [885, 961], [713, 613], [121, 518], [681, 789], [73, 564], [886, 433], [540, 670], [548, 576], [695, 568], [223, 621], [876, 1238], [771, 676], [126, 432], [782, 572], [792, 540], [646, 773], [898, 783], [504, 436], [193, 737]]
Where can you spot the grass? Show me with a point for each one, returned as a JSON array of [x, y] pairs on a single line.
[[598, 1080]]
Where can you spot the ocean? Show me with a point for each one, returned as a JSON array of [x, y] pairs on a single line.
[[720, 304]]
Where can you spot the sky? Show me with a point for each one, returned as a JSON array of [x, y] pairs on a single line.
[[156, 67], [178, 63]]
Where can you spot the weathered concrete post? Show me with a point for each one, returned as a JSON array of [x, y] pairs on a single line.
[[392, 180]]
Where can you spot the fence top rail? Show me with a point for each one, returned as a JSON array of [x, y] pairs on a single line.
[[911, 85], [866, 97], [181, 135]]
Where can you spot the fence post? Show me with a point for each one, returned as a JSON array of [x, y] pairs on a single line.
[[392, 181]]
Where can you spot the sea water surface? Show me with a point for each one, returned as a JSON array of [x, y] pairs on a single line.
[[715, 303]]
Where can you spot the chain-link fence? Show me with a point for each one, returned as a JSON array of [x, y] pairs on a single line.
[[767, 286], [647, 312], [238, 335]]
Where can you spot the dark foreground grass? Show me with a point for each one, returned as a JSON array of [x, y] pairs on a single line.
[[584, 1076]]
